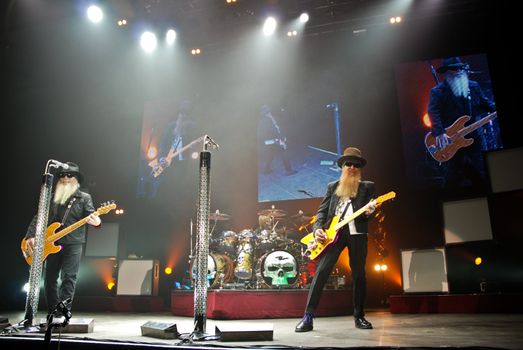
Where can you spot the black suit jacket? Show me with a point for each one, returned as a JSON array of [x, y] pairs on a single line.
[[327, 208]]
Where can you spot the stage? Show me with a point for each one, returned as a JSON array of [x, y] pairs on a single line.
[[118, 330]]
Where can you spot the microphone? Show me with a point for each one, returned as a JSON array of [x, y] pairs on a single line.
[[57, 164], [209, 141]]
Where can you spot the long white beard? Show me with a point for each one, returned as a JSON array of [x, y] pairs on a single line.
[[64, 192], [348, 186], [459, 85]]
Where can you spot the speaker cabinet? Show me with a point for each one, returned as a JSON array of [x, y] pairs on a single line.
[[424, 270], [138, 277]]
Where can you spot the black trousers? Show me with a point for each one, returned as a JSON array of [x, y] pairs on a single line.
[[357, 245], [64, 264]]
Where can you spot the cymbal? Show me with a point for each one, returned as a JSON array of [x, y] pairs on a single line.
[[276, 213], [219, 216]]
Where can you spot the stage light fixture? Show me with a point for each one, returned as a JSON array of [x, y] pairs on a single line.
[[170, 36], [384, 267], [95, 14], [148, 42], [168, 270], [194, 155], [269, 27], [395, 20], [122, 22], [230, 1], [152, 152], [292, 33], [377, 267], [304, 18], [110, 285], [196, 51], [478, 261], [25, 288]]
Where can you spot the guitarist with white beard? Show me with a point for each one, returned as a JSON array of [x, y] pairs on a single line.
[[454, 97], [69, 205], [343, 197]]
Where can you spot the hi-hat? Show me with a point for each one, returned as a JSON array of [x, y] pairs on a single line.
[[301, 217], [219, 216], [276, 213]]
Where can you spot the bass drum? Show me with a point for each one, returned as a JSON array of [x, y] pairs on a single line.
[[220, 269], [278, 269]]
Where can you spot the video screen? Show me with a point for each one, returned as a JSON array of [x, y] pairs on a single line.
[[168, 137], [448, 120], [298, 163]]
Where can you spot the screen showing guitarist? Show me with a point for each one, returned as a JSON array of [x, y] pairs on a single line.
[[343, 198], [272, 143], [451, 101], [69, 205], [174, 141]]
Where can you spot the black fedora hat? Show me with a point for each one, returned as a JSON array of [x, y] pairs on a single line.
[[353, 155], [451, 63], [74, 169]]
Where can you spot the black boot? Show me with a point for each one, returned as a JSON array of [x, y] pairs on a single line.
[[305, 324], [362, 323]]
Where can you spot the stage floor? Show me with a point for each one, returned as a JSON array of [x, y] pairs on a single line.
[[500, 331]]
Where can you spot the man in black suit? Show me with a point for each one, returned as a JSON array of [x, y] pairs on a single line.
[[343, 198]]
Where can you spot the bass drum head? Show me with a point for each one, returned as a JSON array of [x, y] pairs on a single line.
[[278, 269], [220, 269]]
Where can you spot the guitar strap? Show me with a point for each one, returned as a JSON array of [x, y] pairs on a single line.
[[68, 209]]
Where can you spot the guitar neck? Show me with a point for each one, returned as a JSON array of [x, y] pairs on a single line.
[[468, 129], [69, 229], [352, 217], [174, 154]]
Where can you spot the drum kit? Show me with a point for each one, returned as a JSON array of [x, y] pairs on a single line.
[[263, 258]]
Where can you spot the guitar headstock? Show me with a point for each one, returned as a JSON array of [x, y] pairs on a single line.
[[106, 207], [385, 197]]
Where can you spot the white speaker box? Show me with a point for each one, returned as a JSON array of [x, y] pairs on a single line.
[[138, 277]]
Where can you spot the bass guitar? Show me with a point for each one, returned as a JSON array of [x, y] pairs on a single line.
[[457, 132], [159, 166], [316, 249], [52, 236]]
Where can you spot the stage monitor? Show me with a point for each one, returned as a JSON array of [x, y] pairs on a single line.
[[424, 270], [467, 220], [452, 96], [505, 169], [103, 241]]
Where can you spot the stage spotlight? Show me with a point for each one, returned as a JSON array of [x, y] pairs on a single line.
[[292, 33], [377, 267], [110, 285], [395, 20], [384, 267], [304, 18], [121, 22], [478, 261], [196, 51], [170, 36], [230, 1], [194, 155], [25, 288], [95, 14], [148, 42], [168, 270], [269, 27]]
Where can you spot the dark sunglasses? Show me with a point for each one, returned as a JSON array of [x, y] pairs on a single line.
[[66, 174], [349, 164]]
